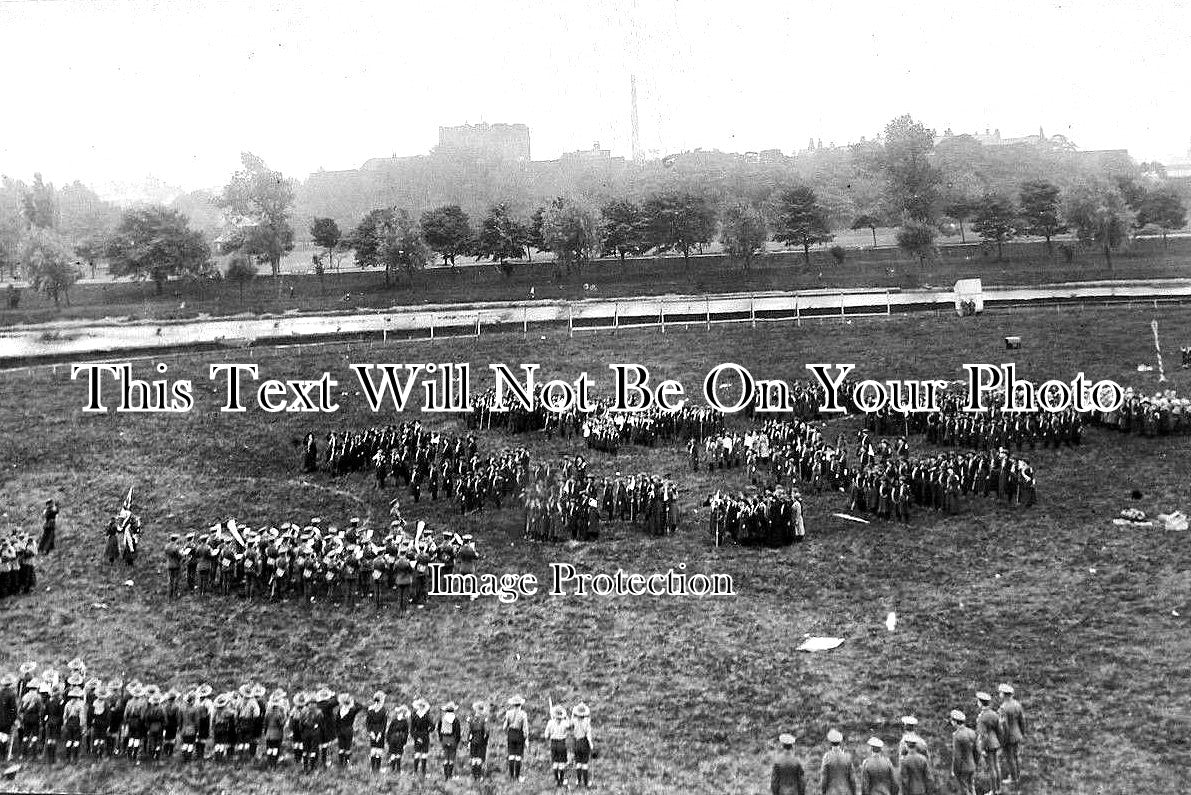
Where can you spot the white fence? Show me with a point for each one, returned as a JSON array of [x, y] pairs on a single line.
[[66, 341]]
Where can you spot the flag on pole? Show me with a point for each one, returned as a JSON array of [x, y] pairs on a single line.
[[125, 512], [235, 532], [1158, 350]]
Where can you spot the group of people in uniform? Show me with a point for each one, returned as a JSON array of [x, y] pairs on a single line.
[[47, 715], [771, 518], [993, 743], [567, 503], [1161, 414], [405, 452], [312, 562], [18, 564]]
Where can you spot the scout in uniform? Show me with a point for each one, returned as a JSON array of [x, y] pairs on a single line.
[[836, 776], [877, 776], [173, 565], [963, 753], [789, 777], [448, 737], [914, 772], [420, 727], [345, 726], [74, 721], [312, 733], [988, 736], [1013, 721], [477, 738], [581, 728], [396, 736], [516, 726], [276, 716], [558, 729], [375, 721]]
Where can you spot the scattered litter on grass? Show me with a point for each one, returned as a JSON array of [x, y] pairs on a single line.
[[891, 621], [1176, 520], [850, 518], [128, 583], [1091, 571], [1132, 516], [1145, 368], [99, 605], [820, 644]]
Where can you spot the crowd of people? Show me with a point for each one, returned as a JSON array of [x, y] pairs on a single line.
[[18, 564], [316, 563], [771, 518], [406, 452], [49, 715], [565, 503], [1161, 414], [991, 742]]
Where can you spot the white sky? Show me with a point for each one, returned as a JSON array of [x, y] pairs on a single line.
[[115, 91]]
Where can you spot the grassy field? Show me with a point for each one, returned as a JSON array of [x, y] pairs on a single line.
[[1024, 263], [1089, 621]]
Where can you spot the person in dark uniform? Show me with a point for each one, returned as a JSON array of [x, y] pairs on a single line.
[[449, 735], [581, 728], [345, 726], [111, 548], [420, 726], [49, 528], [789, 777], [8, 709], [477, 738], [516, 726], [276, 717], [55, 709], [173, 565], [375, 721], [963, 753], [397, 735], [311, 722]]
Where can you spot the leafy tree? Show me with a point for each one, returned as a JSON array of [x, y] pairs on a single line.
[[241, 270], [447, 230], [678, 222], [1100, 216], [534, 230], [156, 243], [502, 237], [961, 210], [622, 229], [917, 238], [1040, 210], [995, 220], [258, 202], [325, 233], [1163, 207], [366, 238], [912, 180], [39, 205], [867, 221], [569, 230], [12, 226], [90, 249], [743, 232], [401, 247], [49, 263], [800, 220]]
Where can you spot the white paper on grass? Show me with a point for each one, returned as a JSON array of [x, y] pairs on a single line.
[[820, 644]]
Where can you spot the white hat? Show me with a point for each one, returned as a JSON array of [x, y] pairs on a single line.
[[1005, 690], [786, 739], [875, 742]]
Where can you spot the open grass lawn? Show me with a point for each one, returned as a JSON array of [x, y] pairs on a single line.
[[1088, 621], [1023, 263]]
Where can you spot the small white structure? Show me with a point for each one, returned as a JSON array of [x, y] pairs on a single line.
[[969, 297]]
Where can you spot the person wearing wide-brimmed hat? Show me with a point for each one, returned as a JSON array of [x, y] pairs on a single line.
[[294, 725], [206, 711], [516, 726], [32, 712], [449, 734], [420, 727], [55, 708], [558, 729], [188, 724], [98, 717], [74, 721], [584, 742], [312, 733], [397, 735], [477, 738], [173, 719], [376, 718], [274, 721], [345, 726], [248, 721], [155, 725]]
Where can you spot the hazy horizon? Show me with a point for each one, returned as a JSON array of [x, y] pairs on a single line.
[[113, 93]]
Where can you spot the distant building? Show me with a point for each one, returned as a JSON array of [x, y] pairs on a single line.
[[994, 139], [1179, 167], [502, 141], [593, 155]]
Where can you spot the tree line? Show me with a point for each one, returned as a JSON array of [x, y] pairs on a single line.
[[919, 186]]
